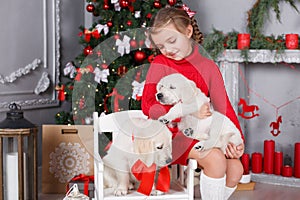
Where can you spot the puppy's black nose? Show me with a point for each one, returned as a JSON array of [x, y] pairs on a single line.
[[159, 95]]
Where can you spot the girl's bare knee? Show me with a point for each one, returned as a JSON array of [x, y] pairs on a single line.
[[213, 162], [234, 172]]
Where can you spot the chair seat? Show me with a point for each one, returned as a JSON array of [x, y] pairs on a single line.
[[177, 192]]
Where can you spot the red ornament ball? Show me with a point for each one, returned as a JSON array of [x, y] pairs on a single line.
[[139, 56], [149, 16], [133, 43], [88, 50], [109, 24], [172, 2], [129, 22], [123, 3], [157, 4], [105, 6], [116, 36], [90, 7], [104, 66]]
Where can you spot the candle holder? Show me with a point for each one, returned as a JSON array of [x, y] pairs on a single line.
[[16, 128]]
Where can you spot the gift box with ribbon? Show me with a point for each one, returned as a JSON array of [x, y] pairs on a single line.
[[84, 183]]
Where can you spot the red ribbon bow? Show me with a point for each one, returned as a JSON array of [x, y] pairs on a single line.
[[188, 10], [146, 176], [86, 179]]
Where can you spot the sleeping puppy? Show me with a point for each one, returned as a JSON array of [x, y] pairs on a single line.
[[144, 139], [214, 131]]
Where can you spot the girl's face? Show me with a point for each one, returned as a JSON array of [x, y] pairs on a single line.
[[172, 43]]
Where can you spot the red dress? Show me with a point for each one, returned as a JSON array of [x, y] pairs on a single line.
[[205, 73]]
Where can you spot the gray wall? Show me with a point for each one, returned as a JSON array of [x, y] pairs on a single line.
[[223, 15]]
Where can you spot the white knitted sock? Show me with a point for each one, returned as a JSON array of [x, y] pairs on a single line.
[[228, 192], [212, 188]]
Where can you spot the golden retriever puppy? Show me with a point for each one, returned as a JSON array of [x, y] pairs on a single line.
[[214, 131], [139, 139]]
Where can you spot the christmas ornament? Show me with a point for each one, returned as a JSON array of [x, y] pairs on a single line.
[[133, 43], [275, 125], [61, 92], [137, 14], [109, 24], [243, 41], [101, 75], [90, 7], [104, 66], [81, 103], [122, 70], [150, 58], [247, 109], [70, 70], [157, 4], [171, 2], [137, 90], [129, 23], [149, 16], [88, 50], [101, 27], [116, 36], [123, 3], [291, 41], [105, 6], [139, 56], [123, 45]]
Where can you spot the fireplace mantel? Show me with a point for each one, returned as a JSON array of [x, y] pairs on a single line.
[[261, 56]]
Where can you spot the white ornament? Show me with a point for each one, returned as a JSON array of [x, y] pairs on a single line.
[[101, 27], [137, 14], [101, 75], [117, 6], [70, 69], [123, 46], [137, 89]]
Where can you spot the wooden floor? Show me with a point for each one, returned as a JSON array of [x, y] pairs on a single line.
[[261, 192]]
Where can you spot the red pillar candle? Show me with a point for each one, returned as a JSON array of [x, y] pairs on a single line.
[[243, 40], [297, 160], [269, 149], [291, 41], [256, 162], [278, 162], [245, 162], [287, 171]]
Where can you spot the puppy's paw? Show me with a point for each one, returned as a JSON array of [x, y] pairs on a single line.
[[131, 186], [163, 120], [199, 146], [120, 192], [156, 192], [188, 132]]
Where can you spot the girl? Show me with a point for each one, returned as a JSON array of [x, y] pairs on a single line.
[[174, 34]]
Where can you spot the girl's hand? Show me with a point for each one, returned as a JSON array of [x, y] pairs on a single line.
[[233, 151], [203, 112]]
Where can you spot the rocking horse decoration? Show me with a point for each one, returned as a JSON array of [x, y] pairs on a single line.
[[248, 111], [275, 125]]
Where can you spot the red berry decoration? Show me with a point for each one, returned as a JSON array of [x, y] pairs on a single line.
[[117, 36], [123, 3], [157, 4], [139, 56], [88, 50], [90, 7], [172, 2], [104, 66]]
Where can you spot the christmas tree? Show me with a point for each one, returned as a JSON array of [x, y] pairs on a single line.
[[108, 75]]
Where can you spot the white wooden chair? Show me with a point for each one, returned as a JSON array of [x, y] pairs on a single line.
[[177, 191]]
